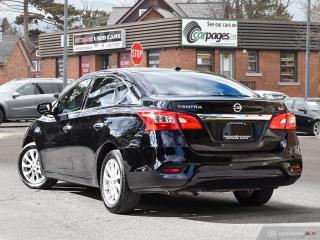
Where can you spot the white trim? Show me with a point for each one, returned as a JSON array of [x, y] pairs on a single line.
[[254, 74], [142, 11], [34, 66], [246, 117]]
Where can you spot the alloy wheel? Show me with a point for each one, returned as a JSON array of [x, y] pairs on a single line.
[[31, 167], [316, 129], [112, 182]]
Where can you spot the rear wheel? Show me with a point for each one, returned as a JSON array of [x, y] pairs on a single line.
[[30, 169], [115, 192], [316, 129], [254, 197]]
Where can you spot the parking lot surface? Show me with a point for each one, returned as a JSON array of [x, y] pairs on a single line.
[[69, 211]]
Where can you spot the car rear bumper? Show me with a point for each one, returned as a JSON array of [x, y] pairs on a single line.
[[230, 177]]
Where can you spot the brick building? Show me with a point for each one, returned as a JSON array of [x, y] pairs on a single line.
[[14, 60], [264, 55]]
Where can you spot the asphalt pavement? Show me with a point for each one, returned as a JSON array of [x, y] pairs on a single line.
[[69, 211]]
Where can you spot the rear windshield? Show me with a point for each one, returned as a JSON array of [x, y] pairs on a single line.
[[9, 87], [192, 84]]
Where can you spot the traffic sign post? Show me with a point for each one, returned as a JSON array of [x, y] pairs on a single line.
[[136, 53]]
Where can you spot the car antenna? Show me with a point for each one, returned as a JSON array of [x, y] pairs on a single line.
[[177, 69]]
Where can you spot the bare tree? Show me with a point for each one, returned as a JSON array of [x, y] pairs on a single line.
[[251, 9], [315, 10]]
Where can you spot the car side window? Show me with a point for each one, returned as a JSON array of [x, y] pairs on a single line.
[[106, 91], [73, 99], [27, 89], [48, 88], [299, 105]]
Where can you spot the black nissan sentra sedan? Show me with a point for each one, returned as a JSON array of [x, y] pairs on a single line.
[[138, 131]]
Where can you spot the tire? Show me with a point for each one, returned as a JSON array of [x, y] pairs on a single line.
[[30, 169], [115, 192], [1, 116], [253, 198], [316, 129]]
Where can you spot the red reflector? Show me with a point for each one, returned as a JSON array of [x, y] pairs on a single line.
[[157, 120], [295, 167], [171, 170], [285, 121]]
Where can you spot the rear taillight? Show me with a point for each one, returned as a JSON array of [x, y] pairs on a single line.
[[171, 170], [285, 121], [157, 120]]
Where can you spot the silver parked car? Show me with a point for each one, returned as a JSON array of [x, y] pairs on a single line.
[[271, 95], [19, 98]]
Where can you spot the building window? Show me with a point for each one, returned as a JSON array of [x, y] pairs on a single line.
[[34, 67], [124, 60], [154, 59], [59, 67], [253, 61], [204, 61], [288, 67]]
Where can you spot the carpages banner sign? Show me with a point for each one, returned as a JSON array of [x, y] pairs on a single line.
[[209, 33]]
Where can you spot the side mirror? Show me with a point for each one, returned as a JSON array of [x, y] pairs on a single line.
[[44, 108], [56, 95], [15, 95]]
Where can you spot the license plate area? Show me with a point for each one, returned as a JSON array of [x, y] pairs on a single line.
[[237, 132]]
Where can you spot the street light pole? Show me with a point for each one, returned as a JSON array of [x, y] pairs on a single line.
[[308, 50], [65, 45]]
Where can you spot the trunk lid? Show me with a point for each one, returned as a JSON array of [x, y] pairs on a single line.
[[230, 124]]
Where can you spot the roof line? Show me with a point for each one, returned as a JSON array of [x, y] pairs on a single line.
[[147, 12], [137, 4]]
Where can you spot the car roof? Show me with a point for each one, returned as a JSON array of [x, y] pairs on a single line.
[[38, 80]]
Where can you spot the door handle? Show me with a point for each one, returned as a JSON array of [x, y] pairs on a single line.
[[98, 126], [67, 128]]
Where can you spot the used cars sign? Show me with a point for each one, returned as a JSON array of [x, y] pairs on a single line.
[[99, 40], [215, 33]]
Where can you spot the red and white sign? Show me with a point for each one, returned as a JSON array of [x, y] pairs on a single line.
[[136, 53], [84, 65], [124, 60]]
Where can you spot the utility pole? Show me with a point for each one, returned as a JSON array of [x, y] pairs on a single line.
[[26, 23], [65, 45], [308, 50]]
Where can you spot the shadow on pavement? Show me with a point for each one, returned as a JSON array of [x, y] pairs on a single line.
[[208, 208]]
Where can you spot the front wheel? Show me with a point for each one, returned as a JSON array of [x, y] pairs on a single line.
[[253, 197], [316, 129], [116, 194], [30, 169]]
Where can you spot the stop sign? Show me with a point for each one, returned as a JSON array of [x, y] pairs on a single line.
[[136, 53]]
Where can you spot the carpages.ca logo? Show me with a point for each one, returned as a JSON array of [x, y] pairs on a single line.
[[193, 33]]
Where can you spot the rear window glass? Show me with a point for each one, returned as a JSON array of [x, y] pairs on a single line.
[[289, 103], [47, 88], [192, 84]]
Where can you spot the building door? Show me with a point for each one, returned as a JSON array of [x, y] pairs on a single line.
[[227, 63], [105, 61]]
